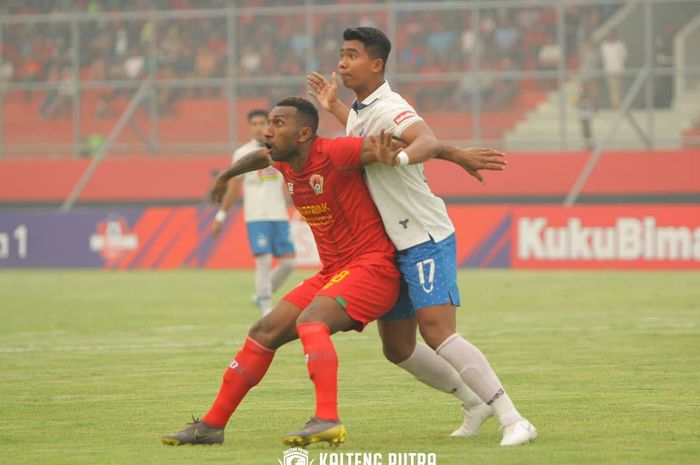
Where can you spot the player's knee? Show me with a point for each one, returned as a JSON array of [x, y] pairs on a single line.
[[306, 317], [265, 334], [436, 324], [311, 316], [435, 332], [258, 332], [397, 352]]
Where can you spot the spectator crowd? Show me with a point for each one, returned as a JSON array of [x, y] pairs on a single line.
[[427, 43]]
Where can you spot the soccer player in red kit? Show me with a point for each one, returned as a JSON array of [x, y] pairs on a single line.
[[357, 284]]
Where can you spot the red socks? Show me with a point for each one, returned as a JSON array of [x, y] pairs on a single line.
[[247, 369], [322, 363], [251, 363]]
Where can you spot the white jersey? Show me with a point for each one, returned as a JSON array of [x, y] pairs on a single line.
[[614, 54], [263, 197], [411, 213]]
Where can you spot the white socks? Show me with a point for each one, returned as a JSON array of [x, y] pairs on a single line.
[[281, 272], [431, 369], [476, 372], [263, 284], [268, 280]]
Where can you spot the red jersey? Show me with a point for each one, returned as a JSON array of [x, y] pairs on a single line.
[[331, 194]]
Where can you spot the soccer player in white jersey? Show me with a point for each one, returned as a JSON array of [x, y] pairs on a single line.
[[265, 213], [417, 222]]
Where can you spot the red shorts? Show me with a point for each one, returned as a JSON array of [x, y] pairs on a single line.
[[367, 288]]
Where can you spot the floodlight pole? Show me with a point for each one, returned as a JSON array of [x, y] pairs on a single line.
[[106, 145]]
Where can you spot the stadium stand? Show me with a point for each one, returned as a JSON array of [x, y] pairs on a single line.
[[428, 45]]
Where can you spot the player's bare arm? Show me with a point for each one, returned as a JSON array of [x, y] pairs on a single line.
[[234, 188], [385, 148], [326, 94], [392, 151], [421, 143], [473, 159], [255, 160]]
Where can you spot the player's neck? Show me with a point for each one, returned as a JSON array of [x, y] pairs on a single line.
[[361, 93], [299, 160]]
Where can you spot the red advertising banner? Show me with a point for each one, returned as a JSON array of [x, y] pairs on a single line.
[[632, 237]]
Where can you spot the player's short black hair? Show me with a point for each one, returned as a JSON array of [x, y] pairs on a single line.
[[305, 108], [376, 42], [256, 112]]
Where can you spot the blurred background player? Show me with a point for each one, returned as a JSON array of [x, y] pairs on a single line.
[[417, 222], [266, 218]]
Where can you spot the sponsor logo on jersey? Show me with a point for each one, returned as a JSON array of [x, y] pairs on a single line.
[[316, 214], [316, 182], [403, 116]]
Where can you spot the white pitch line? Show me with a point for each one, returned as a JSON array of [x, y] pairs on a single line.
[[344, 337], [117, 347], [31, 334], [155, 345], [666, 325], [559, 329], [590, 329]]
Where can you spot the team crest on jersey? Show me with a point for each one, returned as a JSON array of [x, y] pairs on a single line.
[[361, 133], [316, 182], [290, 188]]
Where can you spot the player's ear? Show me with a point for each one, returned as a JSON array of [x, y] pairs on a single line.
[[377, 65], [305, 134]]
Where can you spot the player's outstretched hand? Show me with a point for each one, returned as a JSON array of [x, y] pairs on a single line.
[[324, 92], [386, 148], [475, 159], [218, 190]]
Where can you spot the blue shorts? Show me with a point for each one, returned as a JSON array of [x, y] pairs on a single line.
[[270, 237], [428, 278]]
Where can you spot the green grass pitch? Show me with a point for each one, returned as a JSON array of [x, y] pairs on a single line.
[[95, 366]]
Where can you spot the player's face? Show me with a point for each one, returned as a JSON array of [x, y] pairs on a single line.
[[356, 66], [257, 128], [282, 133]]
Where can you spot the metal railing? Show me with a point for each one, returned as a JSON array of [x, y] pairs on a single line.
[[470, 82]]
